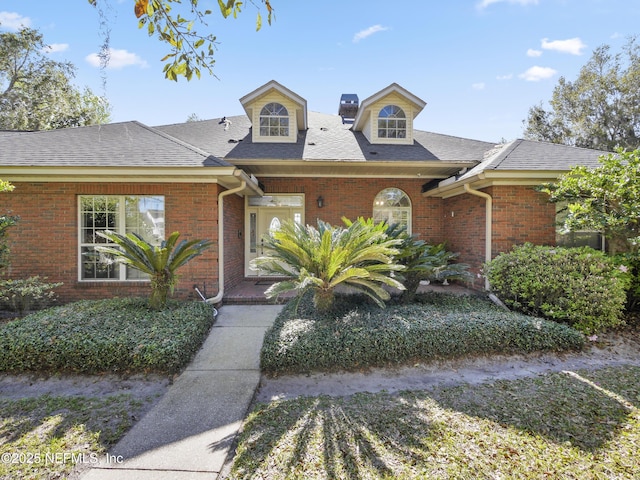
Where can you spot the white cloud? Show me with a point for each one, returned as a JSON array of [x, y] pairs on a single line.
[[117, 59], [509, 76], [535, 74], [574, 46], [478, 86], [533, 53], [361, 35], [13, 20], [485, 3], [56, 48]]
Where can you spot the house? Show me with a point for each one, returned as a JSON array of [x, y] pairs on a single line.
[[233, 179]]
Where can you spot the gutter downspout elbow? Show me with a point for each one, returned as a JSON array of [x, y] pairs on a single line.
[[218, 297], [488, 225]]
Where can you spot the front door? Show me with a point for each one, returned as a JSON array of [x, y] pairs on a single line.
[[264, 215]]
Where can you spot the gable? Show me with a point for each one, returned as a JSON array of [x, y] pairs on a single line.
[[387, 116], [276, 113]]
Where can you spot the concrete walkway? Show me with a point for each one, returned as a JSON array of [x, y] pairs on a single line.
[[189, 432]]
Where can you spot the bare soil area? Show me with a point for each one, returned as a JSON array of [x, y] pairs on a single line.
[[608, 350]]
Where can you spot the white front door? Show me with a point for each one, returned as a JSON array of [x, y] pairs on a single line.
[[265, 214]]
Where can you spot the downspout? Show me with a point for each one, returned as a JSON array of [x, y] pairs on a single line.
[[218, 297], [488, 225]]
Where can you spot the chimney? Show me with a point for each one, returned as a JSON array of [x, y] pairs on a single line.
[[348, 107]]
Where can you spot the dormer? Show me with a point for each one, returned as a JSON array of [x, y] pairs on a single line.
[[387, 116], [276, 113]]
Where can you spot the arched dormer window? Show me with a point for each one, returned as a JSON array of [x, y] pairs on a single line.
[[393, 206], [274, 120], [392, 122]]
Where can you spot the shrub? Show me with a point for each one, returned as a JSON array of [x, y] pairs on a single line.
[[357, 335], [579, 286], [24, 295], [115, 335]]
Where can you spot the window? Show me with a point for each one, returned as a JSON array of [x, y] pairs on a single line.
[[143, 215], [581, 238], [274, 121], [392, 122], [393, 206]]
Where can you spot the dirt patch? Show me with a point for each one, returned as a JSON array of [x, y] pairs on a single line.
[[610, 349], [142, 387]]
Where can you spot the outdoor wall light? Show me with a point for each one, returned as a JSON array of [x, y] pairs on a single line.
[[320, 201]]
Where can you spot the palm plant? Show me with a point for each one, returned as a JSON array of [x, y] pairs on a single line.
[[159, 262], [424, 261], [360, 256]]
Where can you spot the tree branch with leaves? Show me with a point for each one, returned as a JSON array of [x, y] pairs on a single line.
[[190, 51]]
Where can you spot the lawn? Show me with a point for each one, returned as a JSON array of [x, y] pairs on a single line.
[[52, 436], [570, 425]]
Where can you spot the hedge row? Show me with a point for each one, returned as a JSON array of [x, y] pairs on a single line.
[[116, 335], [359, 335]]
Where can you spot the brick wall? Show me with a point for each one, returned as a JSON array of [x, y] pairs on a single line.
[[351, 198], [45, 240], [520, 214]]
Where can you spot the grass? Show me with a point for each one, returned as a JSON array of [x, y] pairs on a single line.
[[570, 425], [51, 436], [359, 335], [97, 336]]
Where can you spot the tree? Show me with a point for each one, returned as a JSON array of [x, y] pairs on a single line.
[[36, 92], [190, 51], [600, 109], [604, 199], [360, 256], [159, 262], [6, 221]]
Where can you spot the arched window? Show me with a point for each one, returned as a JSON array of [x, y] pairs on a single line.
[[392, 122], [274, 120], [393, 206]]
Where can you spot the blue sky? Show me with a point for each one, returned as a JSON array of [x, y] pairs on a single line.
[[479, 64]]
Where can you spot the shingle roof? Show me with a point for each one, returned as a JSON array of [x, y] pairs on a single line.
[[127, 144], [327, 138], [533, 155]]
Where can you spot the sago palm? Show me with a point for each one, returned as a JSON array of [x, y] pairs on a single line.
[[424, 261], [160, 262], [360, 256]]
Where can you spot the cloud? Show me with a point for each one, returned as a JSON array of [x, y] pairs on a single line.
[[478, 86], [509, 76], [14, 21], [362, 34], [118, 59], [485, 3], [56, 48], [574, 46], [533, 53], [535, 74]]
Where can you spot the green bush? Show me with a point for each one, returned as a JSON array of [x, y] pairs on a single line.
[[30, 294], [357, 335], [116, 335], [579, 286]]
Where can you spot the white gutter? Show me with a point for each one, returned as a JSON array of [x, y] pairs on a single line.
[[218, 297], [488, 225]]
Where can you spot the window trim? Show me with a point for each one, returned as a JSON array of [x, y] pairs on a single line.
[[270, 115], [408, 209], [394, 114], [121, 227]]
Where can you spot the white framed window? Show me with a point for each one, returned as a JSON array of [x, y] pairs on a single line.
[[393, 206], [392, 122], [274, 120], [124, 214], [580, 238]]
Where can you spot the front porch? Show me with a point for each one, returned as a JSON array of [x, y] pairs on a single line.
[[251, 292]]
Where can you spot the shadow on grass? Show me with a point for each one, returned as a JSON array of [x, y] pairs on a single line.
[[554, 423]]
